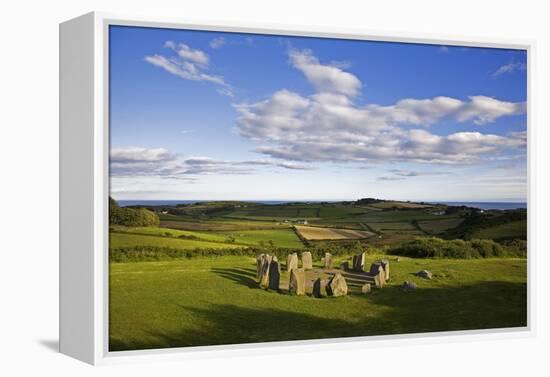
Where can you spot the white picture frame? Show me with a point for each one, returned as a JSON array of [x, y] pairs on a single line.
[[84, 188]]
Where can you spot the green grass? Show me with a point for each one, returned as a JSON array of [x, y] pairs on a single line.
[[125, 240], [438, 226], [280, 237], [207, 301], [514, 229]]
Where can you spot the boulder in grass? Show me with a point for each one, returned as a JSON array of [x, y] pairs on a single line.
[[409, 286], [337, 286], [297, 282], [319, 287], [425, 274], [307, 260], [274, 276], [328, 260], [365, 288], [292, 262]]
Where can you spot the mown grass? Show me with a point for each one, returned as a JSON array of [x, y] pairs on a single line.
[[207, 301], [126, 240], [278, 237]]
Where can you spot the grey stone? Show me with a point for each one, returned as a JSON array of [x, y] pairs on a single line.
[[328, 260], [274, 275], [291, 262], [297, 282], [379, 280], [345, 266], [264, 275], [425, 274], [337, 286], [365, 288], [259, 264], [319, 287], [409, 286], [307, 261], [386, 266], [375, 268], [358, 262]]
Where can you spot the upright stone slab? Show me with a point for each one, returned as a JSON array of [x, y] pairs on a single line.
[[259, 264], [297, 282], [274, 277], [328, 260], [375, 268], [345, 266], [337, 286], [386, 266], [378, 273], [291, 262], [379, 280], [319, 287], [307, 261], [264, 275], [359, 262]]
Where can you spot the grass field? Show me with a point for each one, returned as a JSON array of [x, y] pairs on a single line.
[[311, 233], [207, 301], [118, 240], [504, 231], [280, 237]]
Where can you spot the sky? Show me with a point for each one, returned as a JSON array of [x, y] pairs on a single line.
[[197, 115]]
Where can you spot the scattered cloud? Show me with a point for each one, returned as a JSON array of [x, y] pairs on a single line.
[[217, 42], [329, 126], [325, 78], [159, 162], [443, 49], [509, 68], [411, 173], [386, 178], [189, 64]]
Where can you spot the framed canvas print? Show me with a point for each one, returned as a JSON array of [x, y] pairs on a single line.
[[226, 187]]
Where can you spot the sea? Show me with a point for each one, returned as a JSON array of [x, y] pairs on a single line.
[[480, 205]]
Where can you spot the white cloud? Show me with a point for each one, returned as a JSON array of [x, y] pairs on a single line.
[[329, 127], [189, 64], [509, 68], [217, 42], [325, 78], [159, 162], [187, 53]]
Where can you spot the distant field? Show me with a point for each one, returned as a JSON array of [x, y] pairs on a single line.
[[438, 226], [317, 233], [222, 225], [392, 226], [405, 205], [510, 230], [280, 237], [117, 240], [208, 301]]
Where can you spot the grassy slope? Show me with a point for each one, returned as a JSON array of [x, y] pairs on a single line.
[[204, 301], [503, 231], [280, 237], [117, 240]]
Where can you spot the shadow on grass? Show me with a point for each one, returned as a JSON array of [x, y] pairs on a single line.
[[483, 305], [241, 276]]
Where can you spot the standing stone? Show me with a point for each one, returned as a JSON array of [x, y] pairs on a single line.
[[319, 287], [379, 280], [328, 260], [264, 275], [425, 274], [307, 261], [337, 286], [297, 282], [358, 262], [365, 288], [378, 273], [345, 266], [386, 266], [291, 262], [274, 275], [259, 264]]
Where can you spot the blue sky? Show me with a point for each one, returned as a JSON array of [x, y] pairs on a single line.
[[211, 115]]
